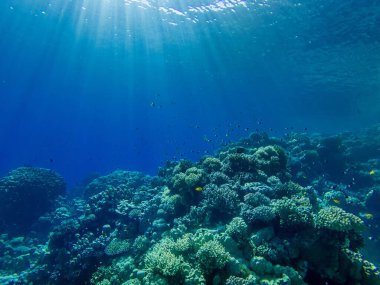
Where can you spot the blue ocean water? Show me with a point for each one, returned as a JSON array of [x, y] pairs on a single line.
[[88, 86]]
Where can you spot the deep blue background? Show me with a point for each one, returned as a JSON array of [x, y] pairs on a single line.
[[91, 86]]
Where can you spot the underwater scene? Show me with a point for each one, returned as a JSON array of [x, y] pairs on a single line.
[[195, 142]]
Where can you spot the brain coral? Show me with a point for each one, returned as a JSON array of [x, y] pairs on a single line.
[[334, 218], [26, 193]]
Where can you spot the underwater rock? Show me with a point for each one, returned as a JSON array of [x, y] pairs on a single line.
[[26, 193]]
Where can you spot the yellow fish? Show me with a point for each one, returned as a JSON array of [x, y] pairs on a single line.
[[198, 189], [372, 172], [336, 201], [368, 216]]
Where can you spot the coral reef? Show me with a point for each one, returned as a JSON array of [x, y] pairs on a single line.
[[263, 210], [26, 193]]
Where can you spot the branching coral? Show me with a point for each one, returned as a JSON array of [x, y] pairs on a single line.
[[212, 255], [116, 247], [237, 229], [162, 260]]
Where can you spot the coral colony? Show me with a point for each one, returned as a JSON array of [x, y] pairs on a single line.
[[263, 210]]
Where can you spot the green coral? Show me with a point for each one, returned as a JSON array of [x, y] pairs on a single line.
[[270, 274], [170, 203], [258, 216], [211, 164], [194, 276], [212, 255], [132, 282], [116, 273], [290, 189], [161, 260], [184, 183], [117, 246], [154, 279], [336, 219], [260, 265], [234, 280], [237, 229], [256, 199], [123, 180], [194, 177], [359, 268], [184, 245], [240, 162], [182, 166], [294, 212], [271, 159], [140, 244]]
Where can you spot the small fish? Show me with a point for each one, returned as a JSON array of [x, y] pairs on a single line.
[[368, 216], [336, 201], [372, 172], [198, 189]]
